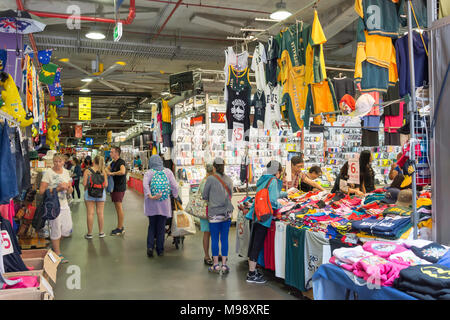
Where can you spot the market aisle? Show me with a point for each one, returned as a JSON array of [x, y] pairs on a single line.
[[118, 267]]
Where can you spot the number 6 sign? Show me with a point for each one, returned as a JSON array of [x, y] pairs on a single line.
[[353, 170], [6, 243]]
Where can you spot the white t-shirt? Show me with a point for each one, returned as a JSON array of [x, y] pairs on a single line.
[[280, 249], [272, 106], [259, 62], [54, 179], [238, 61]]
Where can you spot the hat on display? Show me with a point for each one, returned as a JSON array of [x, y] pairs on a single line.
[[404, 198], [50, 154], [363, 106], [391, 196], [347, 104]]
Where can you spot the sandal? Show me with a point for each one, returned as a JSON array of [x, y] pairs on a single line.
[[225, 269], [208, 262], [63, 260], [214, 269]]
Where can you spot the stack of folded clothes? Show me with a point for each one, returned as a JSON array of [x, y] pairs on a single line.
[[390, 227]]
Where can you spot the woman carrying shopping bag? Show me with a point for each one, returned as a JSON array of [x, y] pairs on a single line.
[[218, 192], [159, 183]]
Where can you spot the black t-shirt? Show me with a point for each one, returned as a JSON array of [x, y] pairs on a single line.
[[259, 102], [120, 182]]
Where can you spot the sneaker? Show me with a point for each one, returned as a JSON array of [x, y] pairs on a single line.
[[118, 232], [101, 235], [150, 253], [88, 236], [63, 260], [255, 278]]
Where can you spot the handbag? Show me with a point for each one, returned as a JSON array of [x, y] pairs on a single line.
[[182, 223], [197, 206]]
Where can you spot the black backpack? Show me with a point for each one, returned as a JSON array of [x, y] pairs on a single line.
[[96, 184]]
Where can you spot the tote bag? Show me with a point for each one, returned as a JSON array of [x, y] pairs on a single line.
[[182, 223], [197, 206]]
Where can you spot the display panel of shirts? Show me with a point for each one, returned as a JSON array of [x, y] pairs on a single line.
[[238, 104], [258, 66]]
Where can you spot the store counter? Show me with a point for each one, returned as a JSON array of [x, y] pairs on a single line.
[[332, 283], [135, 182]]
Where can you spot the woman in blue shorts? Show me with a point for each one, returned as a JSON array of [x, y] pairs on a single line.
[[204, 223], [91, 202]]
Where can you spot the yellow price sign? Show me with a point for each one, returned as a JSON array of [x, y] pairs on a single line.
[[84, 108]]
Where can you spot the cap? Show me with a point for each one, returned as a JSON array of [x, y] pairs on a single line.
[[50, 154], [391, 196], [364, 105], [404, 198], [347, 100]]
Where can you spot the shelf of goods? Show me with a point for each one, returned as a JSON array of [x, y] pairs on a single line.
[[309, 227], [135, 181]]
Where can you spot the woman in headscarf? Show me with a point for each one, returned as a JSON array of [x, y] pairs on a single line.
[[159, 184]]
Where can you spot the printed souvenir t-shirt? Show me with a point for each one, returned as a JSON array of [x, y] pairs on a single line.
[[258, 66], [273, 114], [259, 103], [54, 179], [120, 182]]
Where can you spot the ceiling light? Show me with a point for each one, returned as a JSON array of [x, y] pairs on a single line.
[[85, 90], [165, 93], [95, 34], [87, 80], [252, 30], [281, 13], [140, 111]]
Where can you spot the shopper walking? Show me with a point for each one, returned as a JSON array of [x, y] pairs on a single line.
[[271, 180], [218, 191], [118, 172], [204, 223], [87, 163], [76, 177], [159, 183], [95, 182], [58, 178]]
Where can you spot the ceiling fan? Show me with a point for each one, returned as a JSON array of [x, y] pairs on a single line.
[[100, 75]]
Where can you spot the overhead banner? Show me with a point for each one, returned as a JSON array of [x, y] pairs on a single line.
[[84, 108], [78, 131]]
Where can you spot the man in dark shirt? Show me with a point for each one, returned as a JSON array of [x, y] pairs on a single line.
[[118, 172]]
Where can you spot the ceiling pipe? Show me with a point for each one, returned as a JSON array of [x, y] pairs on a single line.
[[212, 7], [128, 20], [168, 18]]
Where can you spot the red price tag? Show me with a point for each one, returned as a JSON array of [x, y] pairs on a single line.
[[238, 132], [353, 170]]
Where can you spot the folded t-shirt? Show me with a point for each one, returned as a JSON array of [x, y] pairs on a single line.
[[432, 252], [383, 249], [351, 255], [407, 258]]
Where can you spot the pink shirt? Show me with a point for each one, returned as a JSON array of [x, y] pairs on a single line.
[[383, 249]]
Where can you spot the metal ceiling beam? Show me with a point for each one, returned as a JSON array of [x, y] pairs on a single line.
[[107, 94], [210, 23], [167, 20], [344, 16]]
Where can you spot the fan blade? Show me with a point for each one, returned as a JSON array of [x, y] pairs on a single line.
[[111, 69], [70, 64], [106, 83], [137, 85]]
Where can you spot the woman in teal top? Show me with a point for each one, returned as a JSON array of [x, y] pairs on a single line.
[[259, 229]]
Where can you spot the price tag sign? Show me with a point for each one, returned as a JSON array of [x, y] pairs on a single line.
[[84, 108], [238, 133], [5, 242], [353, 169]]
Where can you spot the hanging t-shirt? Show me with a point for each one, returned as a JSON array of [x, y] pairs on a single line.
[[12, 262], [315, 60], [238, 61], [258, 66], [317, 252], [295, 258], [272, 61], [280, 249], [259, 103], [269, 247], [381, 17], [343, 86], [272, 114], [54, 179], [165, 110]]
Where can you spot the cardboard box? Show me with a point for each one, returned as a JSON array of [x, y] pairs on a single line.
[[43, 260], [43, 292]]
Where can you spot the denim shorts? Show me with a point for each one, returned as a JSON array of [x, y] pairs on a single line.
[[88, 198], [204, 225]]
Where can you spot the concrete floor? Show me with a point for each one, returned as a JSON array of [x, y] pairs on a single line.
[[118, 267]]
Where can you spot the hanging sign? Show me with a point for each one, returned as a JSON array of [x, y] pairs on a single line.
[[118, 31], [78, 131], [197, 120], [89, 141], [109, 137], [218, 117], [238, 133], [84, 108], [5, 242], [353, 170]]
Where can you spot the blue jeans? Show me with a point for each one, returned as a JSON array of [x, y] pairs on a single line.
[[219, 230], [156, 229], [8, 181]]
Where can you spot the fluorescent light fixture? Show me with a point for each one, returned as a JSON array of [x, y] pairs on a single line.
[[140, 111], [265, 20], [85, 90], [95, 34], [281, 13], [253, 30], [87, 80], [241, 38], [165, 93]]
